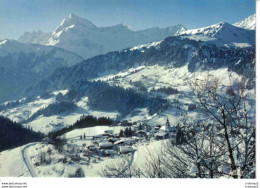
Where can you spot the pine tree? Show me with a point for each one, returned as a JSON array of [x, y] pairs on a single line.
[[130, 133], [126, 132], [168, 123], [121, 133]]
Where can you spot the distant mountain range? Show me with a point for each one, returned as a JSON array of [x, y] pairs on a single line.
[[84, 38], [217, 46], [24, 64]]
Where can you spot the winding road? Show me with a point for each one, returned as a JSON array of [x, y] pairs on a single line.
[[27, 160]]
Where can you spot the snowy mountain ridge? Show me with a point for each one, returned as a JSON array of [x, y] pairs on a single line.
[[222, 33], [82, 37], [247, 23], [72, 19], [35, 37]]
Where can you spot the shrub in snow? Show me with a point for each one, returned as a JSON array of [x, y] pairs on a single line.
[[78, 174]]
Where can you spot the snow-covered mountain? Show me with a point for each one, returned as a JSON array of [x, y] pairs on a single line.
[[36, 37], [248, 23], [176, 51], [146, 84], [81, 36], [23, 64], [218, 47], [222, 34]]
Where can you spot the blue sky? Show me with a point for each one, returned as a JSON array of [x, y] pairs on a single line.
[[18, 16]]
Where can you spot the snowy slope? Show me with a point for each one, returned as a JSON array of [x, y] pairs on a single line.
[[247, 23], [222, 33], [81, 36], [153, 78], [45, 124], [13, 158]]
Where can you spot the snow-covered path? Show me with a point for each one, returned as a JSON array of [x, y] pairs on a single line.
[[27, 161]]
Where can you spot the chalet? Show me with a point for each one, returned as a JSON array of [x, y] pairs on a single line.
[[119, 142], [112, 140], [92, 148], [125, 149], [157, 127], [141, 133], [106, 145], [161, 135], [108, 152]]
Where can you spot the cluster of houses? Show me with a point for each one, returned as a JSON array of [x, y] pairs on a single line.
[[109, 144]]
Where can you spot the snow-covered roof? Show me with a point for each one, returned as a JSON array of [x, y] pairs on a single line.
[[161, 133], [125, 149], [105, 144], [119, 142], [109, 152], [141, 131]]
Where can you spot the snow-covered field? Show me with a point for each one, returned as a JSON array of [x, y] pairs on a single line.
[[12, 163]]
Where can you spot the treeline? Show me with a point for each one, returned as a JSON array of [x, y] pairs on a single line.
[[13, 135], [167, 90], [104, 97], [84, 122], [55, 109]]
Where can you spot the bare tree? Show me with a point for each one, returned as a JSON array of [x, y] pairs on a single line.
[[59, 143], [221, 143], [122, 168], [154, 167], [233, 111]]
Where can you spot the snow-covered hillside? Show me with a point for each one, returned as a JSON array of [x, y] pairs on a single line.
[[81, 36], [222, 34], [151, 79], [248, 23]]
